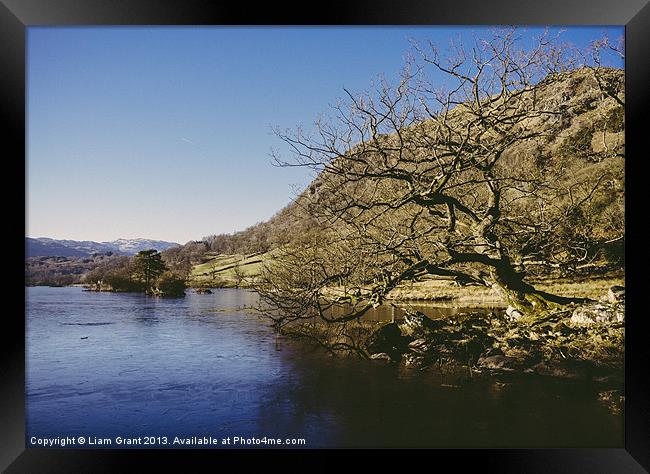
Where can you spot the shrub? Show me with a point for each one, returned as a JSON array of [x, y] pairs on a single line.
[[122, 283], [169, 284]]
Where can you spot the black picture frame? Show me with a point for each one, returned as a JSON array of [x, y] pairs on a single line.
[[17, 15]]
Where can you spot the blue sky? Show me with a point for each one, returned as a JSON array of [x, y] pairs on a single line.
[[165, 133]]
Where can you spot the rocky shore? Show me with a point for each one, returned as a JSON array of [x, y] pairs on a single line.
[[584, 341]]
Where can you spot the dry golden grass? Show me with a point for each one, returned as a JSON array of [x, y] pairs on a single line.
[[446, 290]]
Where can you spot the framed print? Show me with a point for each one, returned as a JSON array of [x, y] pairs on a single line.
[[382, 226]]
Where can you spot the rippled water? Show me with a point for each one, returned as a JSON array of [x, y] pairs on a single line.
[[107, 364]]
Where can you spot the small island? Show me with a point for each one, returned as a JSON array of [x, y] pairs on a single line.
[[144, 273]]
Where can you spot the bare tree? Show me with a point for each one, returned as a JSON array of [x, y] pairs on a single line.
[[239, 273], [450, 172], [596, 55]]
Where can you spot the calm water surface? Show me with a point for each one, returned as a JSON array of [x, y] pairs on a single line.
[[107, 364]]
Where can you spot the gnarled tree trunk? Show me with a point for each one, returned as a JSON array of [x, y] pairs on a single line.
[[521, 295]]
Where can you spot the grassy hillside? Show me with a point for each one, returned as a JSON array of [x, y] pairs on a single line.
[[584, 140], [230, 271], [226, 271]]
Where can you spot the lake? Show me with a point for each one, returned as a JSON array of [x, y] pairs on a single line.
[[108, 365]]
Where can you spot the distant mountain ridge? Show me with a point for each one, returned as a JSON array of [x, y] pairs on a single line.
[[46, 247]]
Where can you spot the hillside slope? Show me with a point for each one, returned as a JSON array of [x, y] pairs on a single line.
[[585, 135]]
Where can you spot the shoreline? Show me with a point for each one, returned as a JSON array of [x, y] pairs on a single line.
[[559, 345], [445, 293]]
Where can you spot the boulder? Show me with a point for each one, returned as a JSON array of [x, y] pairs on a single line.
[[595, 313], [513, 314], [381, 356], [616, 294], [388, 340], [420, 346], [417, 324], [498, 362]]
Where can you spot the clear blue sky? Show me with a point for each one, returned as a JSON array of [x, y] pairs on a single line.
[[164, 133]]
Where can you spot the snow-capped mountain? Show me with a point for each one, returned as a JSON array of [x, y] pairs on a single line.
[[46, 247], [133, 246]]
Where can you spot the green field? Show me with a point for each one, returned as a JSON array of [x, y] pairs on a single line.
[[228, 270]]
